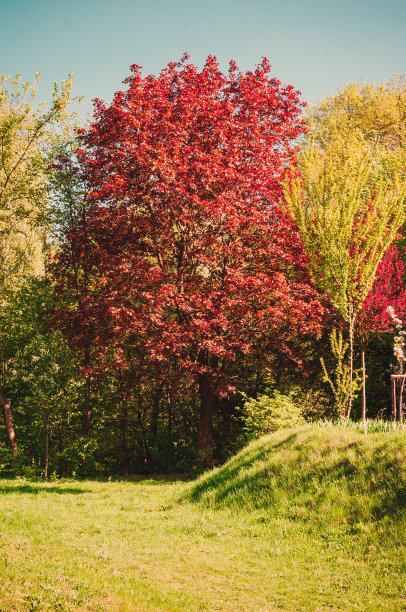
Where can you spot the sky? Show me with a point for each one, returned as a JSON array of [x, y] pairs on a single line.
[[315, 45]]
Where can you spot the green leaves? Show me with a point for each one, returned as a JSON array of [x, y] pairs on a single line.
[[340, 382], [27, 135], [270, 412], [349, 205]]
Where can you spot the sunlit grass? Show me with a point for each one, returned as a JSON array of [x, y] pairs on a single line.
[[310, 519], [369, 426]]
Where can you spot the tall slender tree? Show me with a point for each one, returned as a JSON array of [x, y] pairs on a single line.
[[378, 113], [348, 202]]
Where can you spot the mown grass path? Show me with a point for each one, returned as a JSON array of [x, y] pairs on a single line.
[[149, 546]]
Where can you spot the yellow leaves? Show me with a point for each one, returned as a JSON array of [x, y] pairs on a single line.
[[377, 111], [26, 139], [348, 203]]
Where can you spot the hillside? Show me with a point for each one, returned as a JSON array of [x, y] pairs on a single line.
[[329, 475]]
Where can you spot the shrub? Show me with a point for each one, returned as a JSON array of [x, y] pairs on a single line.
[[269, 412]]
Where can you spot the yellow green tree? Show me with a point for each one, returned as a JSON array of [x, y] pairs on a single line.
[[378, 111], [347, 199], [28, 133]]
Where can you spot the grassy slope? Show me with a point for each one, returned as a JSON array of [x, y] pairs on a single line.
[[310, 519], [332, 476]]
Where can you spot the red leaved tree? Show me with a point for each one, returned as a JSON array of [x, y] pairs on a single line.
[[388, 290], [190, 261]]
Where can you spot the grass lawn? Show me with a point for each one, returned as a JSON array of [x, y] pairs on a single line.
[[310, 519]]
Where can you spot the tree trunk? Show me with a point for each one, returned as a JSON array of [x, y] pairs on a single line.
[[87, 415], [8, 419], [208, 402], [124, 427], [351, 334], [364, 393], [394, 398], [402, 386], [46, 448]]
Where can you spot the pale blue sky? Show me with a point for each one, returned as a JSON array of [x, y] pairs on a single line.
[[315, 45]]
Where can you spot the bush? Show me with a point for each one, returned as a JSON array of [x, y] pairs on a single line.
[[270, 412]]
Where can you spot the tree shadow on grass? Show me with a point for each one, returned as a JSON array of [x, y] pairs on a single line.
[[224, 480], [35, 489]]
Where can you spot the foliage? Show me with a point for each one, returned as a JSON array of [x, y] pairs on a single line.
[[38, 372], [269, 412], [41, 375], [177, 279], [376, 110], [183, 262], [341, 383], [388, 291], [27, 137], [349, 207], [312, 400], [373, 117]]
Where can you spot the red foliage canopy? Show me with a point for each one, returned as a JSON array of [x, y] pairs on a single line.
[[388, 290], [188, 255]]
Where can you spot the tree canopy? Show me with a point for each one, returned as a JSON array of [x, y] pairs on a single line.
[[190, 258], [202, 238], [27, 137]]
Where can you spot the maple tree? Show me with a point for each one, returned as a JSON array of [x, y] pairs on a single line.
[[190, 262], [388, 291]]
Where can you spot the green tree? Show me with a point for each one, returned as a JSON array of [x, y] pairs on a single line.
[[378, 112], [28, 133], [40, 373], [348, 203]]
